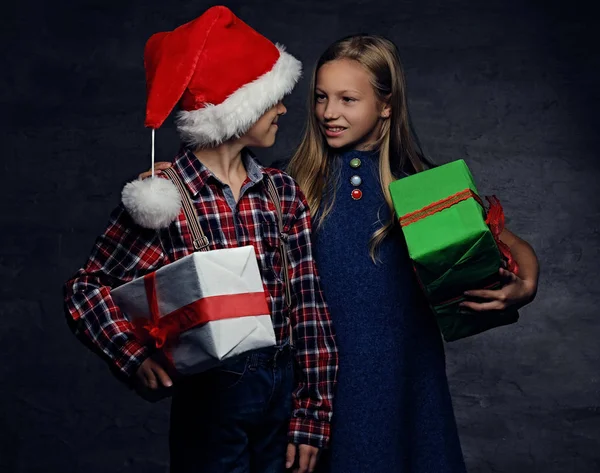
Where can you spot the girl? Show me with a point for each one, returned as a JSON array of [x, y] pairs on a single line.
[[393, 412]]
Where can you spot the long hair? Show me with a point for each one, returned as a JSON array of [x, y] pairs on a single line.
[[399, 150]]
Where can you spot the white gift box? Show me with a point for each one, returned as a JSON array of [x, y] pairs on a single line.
[[212, 303]]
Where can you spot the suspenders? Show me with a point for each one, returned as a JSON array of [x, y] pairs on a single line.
[[201, 243]]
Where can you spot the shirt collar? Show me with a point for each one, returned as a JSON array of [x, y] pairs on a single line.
[[195, 174]]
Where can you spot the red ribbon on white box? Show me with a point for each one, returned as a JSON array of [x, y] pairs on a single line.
[[207, 309]]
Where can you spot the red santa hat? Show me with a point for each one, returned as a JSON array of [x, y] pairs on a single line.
[[224, 76]]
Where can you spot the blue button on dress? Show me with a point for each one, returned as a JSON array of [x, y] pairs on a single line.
[[392, 410]]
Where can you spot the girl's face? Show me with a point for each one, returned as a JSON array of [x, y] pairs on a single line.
[[263, 132], [346, 107]]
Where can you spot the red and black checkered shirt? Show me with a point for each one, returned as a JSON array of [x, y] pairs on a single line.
[[126, 251]]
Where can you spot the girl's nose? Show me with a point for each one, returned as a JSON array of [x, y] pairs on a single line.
[[329, 113]]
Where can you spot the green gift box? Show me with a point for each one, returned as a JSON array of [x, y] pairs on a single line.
[[451, 245]]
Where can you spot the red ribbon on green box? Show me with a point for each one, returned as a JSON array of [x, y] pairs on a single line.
[[495, 219]]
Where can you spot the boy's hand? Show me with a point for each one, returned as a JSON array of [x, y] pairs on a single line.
[[158, 167], [151, 376], [307, 458]]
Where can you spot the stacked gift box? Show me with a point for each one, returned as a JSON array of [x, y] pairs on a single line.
[[453, 242]]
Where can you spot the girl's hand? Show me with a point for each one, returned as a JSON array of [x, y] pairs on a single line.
[[515, 293], [158, 167]]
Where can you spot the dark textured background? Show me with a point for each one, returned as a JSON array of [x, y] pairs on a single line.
[[510, 86]]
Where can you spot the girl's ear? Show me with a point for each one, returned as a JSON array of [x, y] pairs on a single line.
[[387, 111], [387, 108]]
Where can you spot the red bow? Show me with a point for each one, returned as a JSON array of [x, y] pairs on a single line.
[[158, 333], [495, 220]]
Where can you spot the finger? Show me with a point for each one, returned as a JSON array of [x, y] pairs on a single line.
[[505, 273], [162, 165], [484, 294], [158, 168], [148, 174], [304, 459], [290, 455], [482, 306], [150, 377], [162, 375], [313, 461]]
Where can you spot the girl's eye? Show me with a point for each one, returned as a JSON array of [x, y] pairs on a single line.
[[319, 97], [348, 99]]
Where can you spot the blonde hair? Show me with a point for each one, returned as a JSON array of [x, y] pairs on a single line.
[[399, 152]]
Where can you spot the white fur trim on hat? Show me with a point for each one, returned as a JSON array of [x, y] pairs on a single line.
[[214, 124], [152, 203]]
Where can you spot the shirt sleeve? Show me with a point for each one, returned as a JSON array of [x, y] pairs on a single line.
[[314, 339], [123, 252]]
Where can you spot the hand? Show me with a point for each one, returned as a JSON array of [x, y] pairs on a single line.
[[150, 379], [158, 167], [515, 293], [307, 458]]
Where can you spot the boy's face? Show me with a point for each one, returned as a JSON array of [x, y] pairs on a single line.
[[346, 106], [263, 132]]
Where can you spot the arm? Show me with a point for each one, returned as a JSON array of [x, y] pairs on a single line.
[[519, 289], [316, 350], [123, 252]]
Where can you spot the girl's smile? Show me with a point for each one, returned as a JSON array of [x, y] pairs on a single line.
[[333, 131]]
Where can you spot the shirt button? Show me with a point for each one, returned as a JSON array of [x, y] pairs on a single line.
[[356, 194]]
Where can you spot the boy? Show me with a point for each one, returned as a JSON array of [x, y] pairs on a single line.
[[229, 81]]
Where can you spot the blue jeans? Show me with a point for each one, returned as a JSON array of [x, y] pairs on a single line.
[[234, 419]]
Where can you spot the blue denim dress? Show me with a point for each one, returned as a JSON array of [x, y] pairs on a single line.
[[392, 411]]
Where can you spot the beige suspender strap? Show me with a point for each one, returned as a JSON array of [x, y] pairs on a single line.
[[199, 240], [283, 240]]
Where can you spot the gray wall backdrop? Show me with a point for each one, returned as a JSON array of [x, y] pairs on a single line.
[[510, 86]]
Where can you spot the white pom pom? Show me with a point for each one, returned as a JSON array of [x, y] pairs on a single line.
[[152, 203]]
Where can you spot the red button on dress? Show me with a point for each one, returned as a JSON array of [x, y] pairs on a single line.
[[356, 194]]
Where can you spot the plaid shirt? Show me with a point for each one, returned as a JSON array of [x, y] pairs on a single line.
[[126, 251]]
